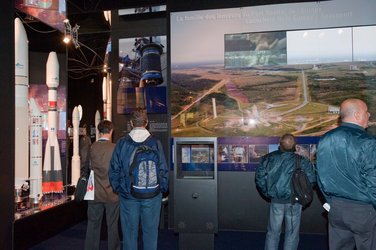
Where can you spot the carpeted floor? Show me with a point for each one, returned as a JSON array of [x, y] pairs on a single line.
[[74, 237]]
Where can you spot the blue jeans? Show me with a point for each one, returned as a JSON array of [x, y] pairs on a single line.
[[131, 211], [291, 214]]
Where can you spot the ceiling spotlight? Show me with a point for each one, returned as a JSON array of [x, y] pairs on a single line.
[[71, 33], [66, 39]]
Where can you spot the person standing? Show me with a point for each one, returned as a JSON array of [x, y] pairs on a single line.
[[105, 199], [84, 143], [346, 169], [132, 209], [273, 181]]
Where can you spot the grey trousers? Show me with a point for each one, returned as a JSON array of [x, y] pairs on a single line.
[[351, 225], [94, 217]]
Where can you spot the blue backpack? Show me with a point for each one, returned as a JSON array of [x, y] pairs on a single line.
[[144, 171]]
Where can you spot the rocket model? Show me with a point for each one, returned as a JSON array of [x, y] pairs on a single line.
[[35, 152], [104, 96], [21, 110], [76, 161], [97, 121], [109, 97], [52, 173]]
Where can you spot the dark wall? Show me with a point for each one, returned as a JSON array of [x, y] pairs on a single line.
[[7, 125], [240, 206], [86, 92]]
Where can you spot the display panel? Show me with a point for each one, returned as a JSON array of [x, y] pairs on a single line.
[[244, 153], [234, 153], [327, 60], [51, 12], [195, 160], [140, 10], [142, 75], [250, 49]]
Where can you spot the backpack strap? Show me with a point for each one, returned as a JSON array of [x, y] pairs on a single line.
[[297, 167], [298, 162]]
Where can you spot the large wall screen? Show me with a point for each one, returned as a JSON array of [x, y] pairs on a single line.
[[269, 70]]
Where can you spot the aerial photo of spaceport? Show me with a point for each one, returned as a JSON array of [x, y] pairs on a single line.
[[210, 100]]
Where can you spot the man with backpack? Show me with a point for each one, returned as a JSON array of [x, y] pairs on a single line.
[[138, 172], [273, 179]]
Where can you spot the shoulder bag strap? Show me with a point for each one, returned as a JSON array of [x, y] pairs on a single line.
[[297, 161]]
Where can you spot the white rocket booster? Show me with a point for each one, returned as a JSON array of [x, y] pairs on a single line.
[[35, 152], [109, 97], [104, 97], [76, 161], [21, 111], [52, 173], [97, 120], [214, 108]]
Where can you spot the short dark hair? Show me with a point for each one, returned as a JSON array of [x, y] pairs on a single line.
[[105, 127], [139, 117], [84, 127], [287, 143]]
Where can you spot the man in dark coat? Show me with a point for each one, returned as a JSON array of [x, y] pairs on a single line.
[[99, 157]]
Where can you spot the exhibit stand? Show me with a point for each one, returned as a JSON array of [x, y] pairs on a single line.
[[195, 192]]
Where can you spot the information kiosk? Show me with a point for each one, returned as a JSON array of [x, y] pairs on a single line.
[[195, 191]]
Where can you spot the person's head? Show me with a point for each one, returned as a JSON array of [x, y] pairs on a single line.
[[105, 127], [139, 118], [84, 129], [287, 143], [355, 111]]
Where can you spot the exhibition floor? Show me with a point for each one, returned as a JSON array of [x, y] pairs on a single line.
[[74, 237]]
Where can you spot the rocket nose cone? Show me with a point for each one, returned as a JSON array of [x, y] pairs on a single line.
[[75, 114], [52, 58], [76, 117], [52, 61], [19, 32], [97, 116], [20, 49], [52, 70]]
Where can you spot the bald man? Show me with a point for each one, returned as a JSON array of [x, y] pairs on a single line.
[[346, 170]]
